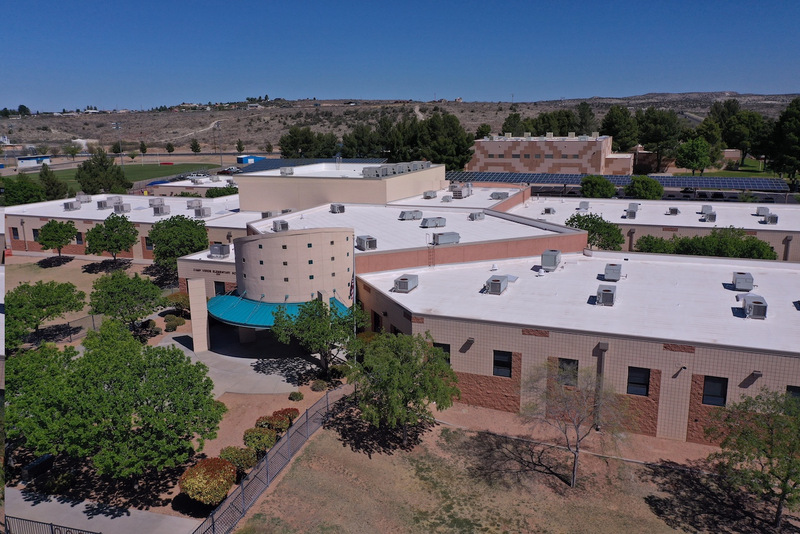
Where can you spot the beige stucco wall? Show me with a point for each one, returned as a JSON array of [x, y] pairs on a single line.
[[197, 303]]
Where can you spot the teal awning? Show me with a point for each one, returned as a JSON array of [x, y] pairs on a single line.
[[239, 311]]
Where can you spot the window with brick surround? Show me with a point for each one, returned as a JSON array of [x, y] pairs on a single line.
[[14, 232], [36, 234], [793, 391], [567, 372], [501, 365], [638, 381], [148, 243], [79, 238], [715, 390]]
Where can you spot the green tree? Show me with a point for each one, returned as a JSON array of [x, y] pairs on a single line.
[[644, 187], [195, 146], [659, 131], [603, 234], [400, 377], [786, 141], [587, 122], [133, 155], [115, 234], [22, 190], [621, 125], [100, 174], [27, 306], [23, 110], [655, 245], [744, 130], [304, 143], [513, 125], [170, 148], [711, 132], [123, 297], [445, 141], [54, 189], [576, 404], [268, 147], [128, 407], [320, 329], [761, 449], [175, 237], [43, 149], [722, 112], [482, 131], [142, 148], [239, 146], [57, 235], [215, 192], [723, 242], [361, 142], [116, 148], [593, 186], [694, 154]]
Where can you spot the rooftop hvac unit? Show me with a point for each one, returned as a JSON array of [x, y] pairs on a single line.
[[337, 208], [453, 187], [406, 283], [446, 238], [613, 272], [499, 195], [287, 210], [633, 206], [549, 211], [122, 208], [584, 205], [605, 295], [280, 225], [402, 167], [429, 194], [287, 171], [366, 242], [410, 215], [754, 306], [268, 214], [420, 165], [157, 201], [771, 218], [390, 169], [673, 211], [161, 210], [194, 204], [707, 208], [630, 214], [433, 222], [197, 181], [215, 178], [103, 205], [114, 199], [464, 191], [742, 281], [219, 251], [72, 205], [711, 217], [762, 211], [370, 172], [202, 213], [447, 198], [496, 284], [476, 216], [550, 259], [83, 198]]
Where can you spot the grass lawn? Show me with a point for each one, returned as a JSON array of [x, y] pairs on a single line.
[[751, 167], [136, 172]]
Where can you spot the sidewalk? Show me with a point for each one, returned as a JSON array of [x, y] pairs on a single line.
[[93, 516]]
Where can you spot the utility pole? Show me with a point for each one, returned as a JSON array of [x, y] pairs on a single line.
[[118, 126]]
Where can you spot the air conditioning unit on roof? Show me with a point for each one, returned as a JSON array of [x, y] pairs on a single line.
[[551, 259], [215, 178], [762, 211], [156, 201], [268, 214], [446, 238], [496, 284], [613, 272], [584, 205], [771, 218], [219, 251], [630, 214], [160, 210], [707, 208], [499, 195], [280, 225], [742, 281], [711, 217], [549, 211], [429, 194], [83, 198], [673, 211], [114, 199], [476, 216], [410, 215], [194, 203], [72, 205], [287, 171], [337, 208], [103, 205], [406, 283], [447, 198], [433, 222], [202, 213], [754, 306], [122, 208], [606, 295], [633, 206], [366, 242]]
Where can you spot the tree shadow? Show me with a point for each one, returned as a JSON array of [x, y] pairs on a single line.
[[161, 276], [54, 261], [694, 498], [502, 460], [185, 505], [107, 266], [363, 437], [55, 333], [295, 371]]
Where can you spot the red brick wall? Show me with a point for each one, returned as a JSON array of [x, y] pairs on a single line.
[[644, 410], [495, 392], [700, 415]]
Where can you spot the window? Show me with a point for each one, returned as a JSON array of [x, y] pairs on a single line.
[[285, 279], [333, 258], [79, 239], [282, 246], [567, 372], [243, 260], [793, 391], [244, 275], [348, 254], [638, 381], [311, 262], [715, 391], [285, 263], [574, 156], [333, 274], [36, 234], [148, 243], [491, 156], [309, 245], [261, 262], [262, 246], [514, 156], [348, 269], [501, 156], [537, 156], [219, 288], [548, 156], [502, 363], [445, 348], [331, 242], [310, 276], [527, 156], [14, 232]]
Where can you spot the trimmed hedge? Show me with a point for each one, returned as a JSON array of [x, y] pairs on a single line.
[[208, 481], [289, 413], [278, 423], [260, 439], [243, 458]]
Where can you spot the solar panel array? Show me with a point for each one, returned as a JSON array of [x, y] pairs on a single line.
[[695, 182], [272, 164]]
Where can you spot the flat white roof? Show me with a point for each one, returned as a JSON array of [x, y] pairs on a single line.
[[238, 219], [480, 198], [141, 212], [325, 170], [655, 212], [202, 183], [669, 298], [382, 223]]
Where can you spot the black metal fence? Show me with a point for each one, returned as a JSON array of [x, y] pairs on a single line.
[[17, 525], [235, 506]]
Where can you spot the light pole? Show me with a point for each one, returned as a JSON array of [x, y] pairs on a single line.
[[216, 129], [118, 126]]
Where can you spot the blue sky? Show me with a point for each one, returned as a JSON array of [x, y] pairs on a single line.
[[143, 54]]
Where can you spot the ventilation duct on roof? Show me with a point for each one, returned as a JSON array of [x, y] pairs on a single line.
[[337, 208], [742, 281], [406, 283], [613, 272], [446, 238], [496, 284], [550, 259], [754, 306], [280, 226], [160, 210], [433, 222], [366, 242], [606, 295], [476, 216], [219, 251], [122, 208], [410, 215]]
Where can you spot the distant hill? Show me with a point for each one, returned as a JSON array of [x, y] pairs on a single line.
[[257, 127]]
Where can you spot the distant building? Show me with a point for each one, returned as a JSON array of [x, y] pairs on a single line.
[[28, 162]]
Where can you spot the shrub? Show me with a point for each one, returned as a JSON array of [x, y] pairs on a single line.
[[208, 481], [289, 413], [278, 423], [319, 385], [338, 371], [170, 317], [180, 302], [171, 323], [295, 396], [260, 439], [242, 458]]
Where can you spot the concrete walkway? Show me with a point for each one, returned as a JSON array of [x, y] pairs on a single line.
[[93, 516]]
